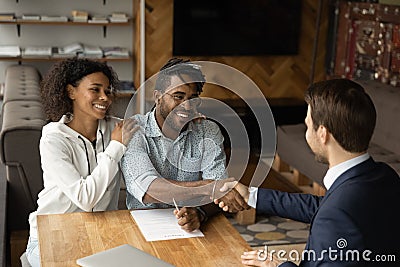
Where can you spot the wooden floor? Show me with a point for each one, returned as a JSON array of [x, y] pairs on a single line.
[[18, 242]]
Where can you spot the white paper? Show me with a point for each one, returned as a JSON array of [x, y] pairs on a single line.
[[161, 224]]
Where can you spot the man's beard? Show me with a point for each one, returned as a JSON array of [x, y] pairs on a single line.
[[170, 118], [320, 158]]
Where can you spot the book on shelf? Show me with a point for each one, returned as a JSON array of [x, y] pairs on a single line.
[[117, 20], [7, 16], [97, 18], [54, 18], [92, 51], [72, 48], [37, 51], [79, 16], [30, 17], [118, 17], [80, 19], [119, 14], [79, 13], [10, 51], [57, 52], [115, 52], [69, 50]]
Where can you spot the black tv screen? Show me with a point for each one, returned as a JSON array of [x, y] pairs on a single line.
[[236, 27]]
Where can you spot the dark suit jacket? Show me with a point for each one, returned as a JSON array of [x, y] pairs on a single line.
[[356, 215]]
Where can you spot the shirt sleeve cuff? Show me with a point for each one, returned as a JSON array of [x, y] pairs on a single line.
[[252, 197], [141, 187], [115, 150]]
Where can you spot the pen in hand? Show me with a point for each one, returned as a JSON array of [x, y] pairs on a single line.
[[176, 206], [177, 209]]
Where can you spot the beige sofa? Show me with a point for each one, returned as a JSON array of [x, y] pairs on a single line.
[[22, 121]]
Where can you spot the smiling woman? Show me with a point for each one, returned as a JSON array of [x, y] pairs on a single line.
[[81, 146], [68, 74], [91, 99]]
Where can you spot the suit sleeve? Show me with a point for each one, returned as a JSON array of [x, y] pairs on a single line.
[[295, 206]]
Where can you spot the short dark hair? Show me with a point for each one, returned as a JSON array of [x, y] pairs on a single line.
[[345, 109], [179, 67], [53, 87]]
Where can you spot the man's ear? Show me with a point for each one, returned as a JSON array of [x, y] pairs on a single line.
[[323, 134], [71, 91], [157, 95]]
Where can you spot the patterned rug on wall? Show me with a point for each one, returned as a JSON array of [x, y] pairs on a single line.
[[272, 230]]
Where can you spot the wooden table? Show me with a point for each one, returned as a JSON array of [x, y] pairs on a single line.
[[64, 238]]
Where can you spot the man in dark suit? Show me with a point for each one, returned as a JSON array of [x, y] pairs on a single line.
[[353, 224]]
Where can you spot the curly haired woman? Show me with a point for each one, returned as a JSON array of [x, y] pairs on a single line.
[[81, 146]]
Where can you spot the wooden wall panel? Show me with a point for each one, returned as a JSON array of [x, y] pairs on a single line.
[[276, 76]]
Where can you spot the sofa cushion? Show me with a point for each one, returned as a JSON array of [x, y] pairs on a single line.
[[20, 135], [22, 83], [23, 72], [20, 91], [19, 117], [387, 103]]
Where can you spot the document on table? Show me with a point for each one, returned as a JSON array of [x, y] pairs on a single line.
[[161, 224]]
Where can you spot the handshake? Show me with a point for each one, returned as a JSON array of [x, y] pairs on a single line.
[[231, 195]]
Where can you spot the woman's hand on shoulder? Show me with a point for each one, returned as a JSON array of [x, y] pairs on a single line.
[[124, 130]]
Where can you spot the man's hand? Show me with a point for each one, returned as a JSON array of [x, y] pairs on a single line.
[[188, 218], [241, 188], [252, 258], [235, 197]]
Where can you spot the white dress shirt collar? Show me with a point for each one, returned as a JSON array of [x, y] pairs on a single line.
[[333, 173]]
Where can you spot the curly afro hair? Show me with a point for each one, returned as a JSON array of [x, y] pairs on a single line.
[[53, 87]]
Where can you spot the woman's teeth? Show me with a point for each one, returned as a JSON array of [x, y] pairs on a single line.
[[100, 106], [182, 115]]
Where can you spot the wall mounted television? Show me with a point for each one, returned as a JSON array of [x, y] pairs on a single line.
[[236, 27]]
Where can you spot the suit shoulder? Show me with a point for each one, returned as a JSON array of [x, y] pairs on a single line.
[[388, 170]]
